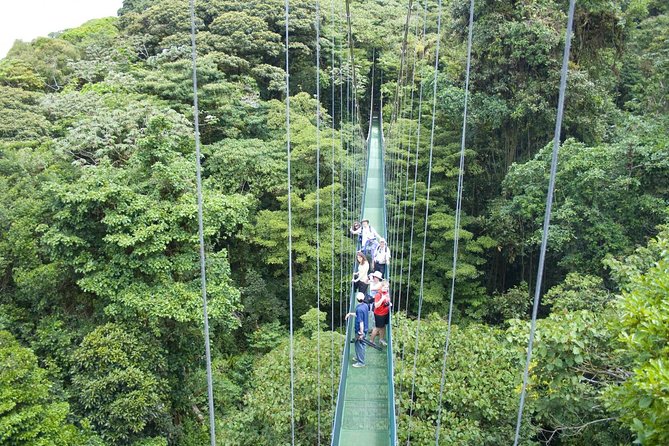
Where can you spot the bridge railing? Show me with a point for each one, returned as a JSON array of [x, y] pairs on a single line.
[[392, 422]]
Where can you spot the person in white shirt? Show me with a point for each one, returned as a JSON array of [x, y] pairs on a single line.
[[381, 257], [360, 277], [374, 286]]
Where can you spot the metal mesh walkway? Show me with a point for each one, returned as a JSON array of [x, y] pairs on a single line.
[[365, 412]]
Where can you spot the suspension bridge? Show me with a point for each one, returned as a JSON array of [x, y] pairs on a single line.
[[365, 411]]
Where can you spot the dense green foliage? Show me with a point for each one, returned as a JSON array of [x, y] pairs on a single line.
[[29, 414], [264, 415], [473, 412], [594, 377], [643, 329], [100, 305]]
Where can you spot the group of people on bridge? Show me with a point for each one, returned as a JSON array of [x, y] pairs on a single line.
[[371, 286]]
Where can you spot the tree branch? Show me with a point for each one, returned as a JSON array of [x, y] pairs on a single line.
[[573, 430]]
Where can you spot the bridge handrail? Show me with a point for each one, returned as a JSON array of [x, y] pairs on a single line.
[[390, 360]]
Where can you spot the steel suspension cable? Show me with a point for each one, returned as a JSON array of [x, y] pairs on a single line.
[[353, 173], [419, 126], [290, 233], [353, 147], [415, 178], [397, 291], [402, 127], [343, 218], [395, 180], [547, 215], [357, 140], [332, 205], [349, 148], [345, 113], [415, 175], [318, 215], [413, 216], [406, 199], [458, 211], [200, 227], [393, 115], [399, 265], [355, 111], [397, 110], [407, 167], [371, 96], [427, 210], [398, 105], [350, 153]]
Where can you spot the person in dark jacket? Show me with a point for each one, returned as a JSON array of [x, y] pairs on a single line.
[[361, 324], [356, 229]]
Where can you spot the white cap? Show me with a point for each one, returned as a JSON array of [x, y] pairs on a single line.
[[360, 296]]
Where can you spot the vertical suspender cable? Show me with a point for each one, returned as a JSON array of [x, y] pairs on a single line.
[[359, 180], [332, 206], [547, 215], [371, 96], [394, 174], [318, 212], [349, 149], [290, 238], [352, 174], [400, 246], [350, 141], [415, 174], [458, 211], [415, 178], [344, 196], [200, 225], [345, 117], [427, 209], [397, 116], [400, 74]]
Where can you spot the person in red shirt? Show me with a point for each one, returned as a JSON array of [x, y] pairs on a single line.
[[381, 313]]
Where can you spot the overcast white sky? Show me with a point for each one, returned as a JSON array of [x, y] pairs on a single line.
[[27, 19]]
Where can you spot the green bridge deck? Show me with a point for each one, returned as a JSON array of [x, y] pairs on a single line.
[[365, 413]]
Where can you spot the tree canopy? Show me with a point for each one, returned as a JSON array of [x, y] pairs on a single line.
[[101, 329]]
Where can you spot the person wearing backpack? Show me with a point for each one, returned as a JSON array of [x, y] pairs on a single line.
[[381, 258], [369, 240]]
